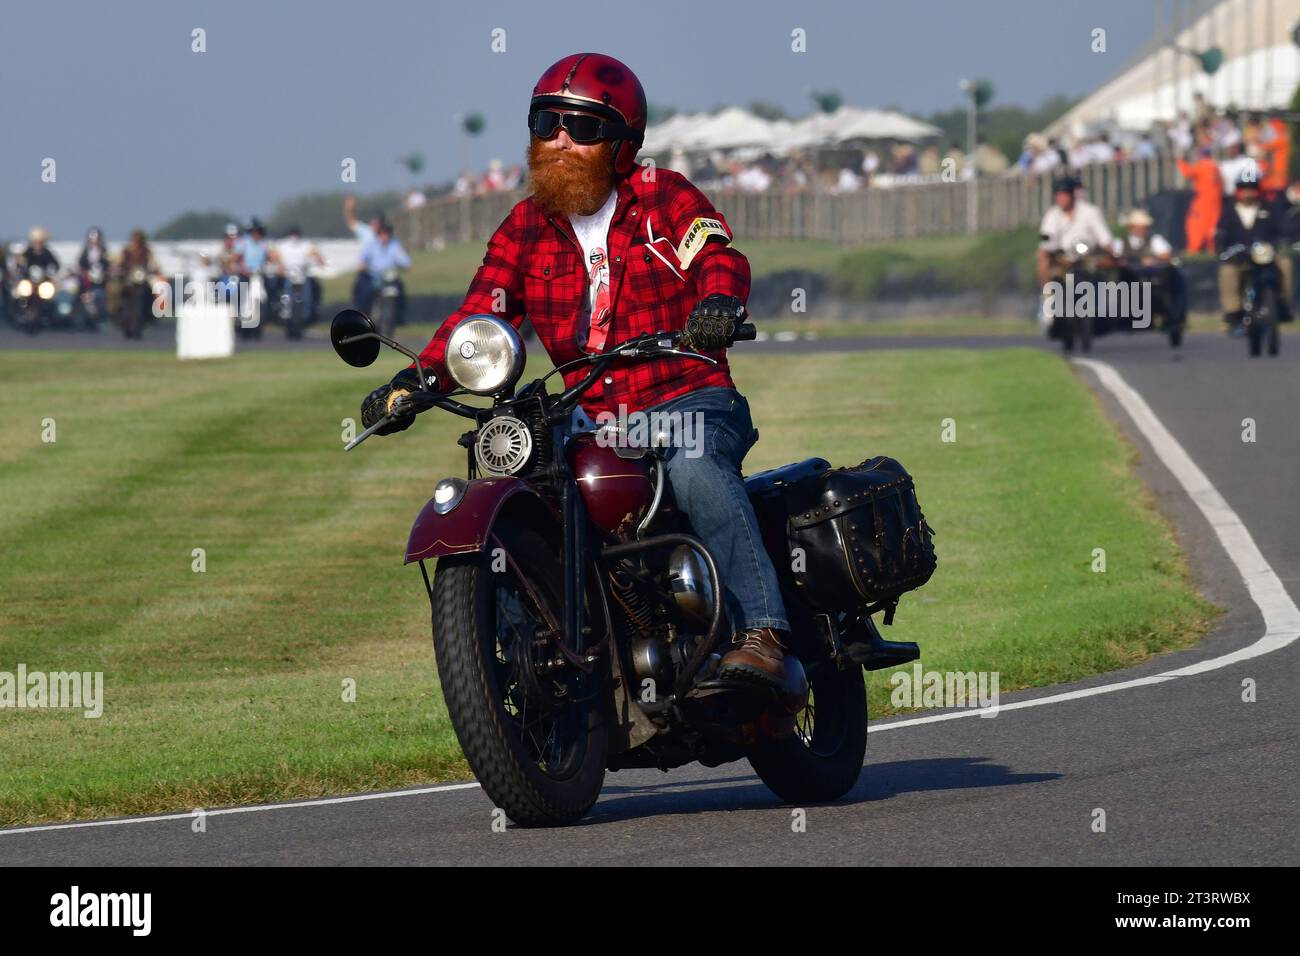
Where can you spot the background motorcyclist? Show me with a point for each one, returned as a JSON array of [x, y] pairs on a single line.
[[1245, 221], [600, 253], [363, 291], [135, 267], [1146, 255], [254, 251], [93, 267], [294, 254], [38, 254], [1071, 220], [379, 255]]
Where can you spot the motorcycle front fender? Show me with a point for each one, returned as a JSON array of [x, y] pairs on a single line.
[[466, 527]]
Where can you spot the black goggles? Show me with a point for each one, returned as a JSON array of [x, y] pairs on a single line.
[[581, 127]]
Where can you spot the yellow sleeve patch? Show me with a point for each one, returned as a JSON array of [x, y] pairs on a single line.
[[697, 235]]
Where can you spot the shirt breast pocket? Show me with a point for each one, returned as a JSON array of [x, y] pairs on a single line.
[[550, 280], [650, 277]]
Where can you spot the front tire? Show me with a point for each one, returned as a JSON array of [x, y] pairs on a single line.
[[543, 765], [823, 759]]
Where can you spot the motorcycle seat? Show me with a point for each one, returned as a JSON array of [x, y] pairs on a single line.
[[774, 479]]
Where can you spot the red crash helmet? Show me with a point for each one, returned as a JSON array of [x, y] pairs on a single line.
[[604, 87]]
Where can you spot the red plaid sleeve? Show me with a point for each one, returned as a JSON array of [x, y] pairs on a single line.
[[718, 267], [496, 289]]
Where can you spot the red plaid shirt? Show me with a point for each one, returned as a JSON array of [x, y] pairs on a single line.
[[533, 267]]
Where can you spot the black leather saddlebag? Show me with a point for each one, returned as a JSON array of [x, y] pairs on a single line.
[[864, 538]]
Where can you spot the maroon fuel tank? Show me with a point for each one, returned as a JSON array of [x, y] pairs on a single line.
[[617, 491]]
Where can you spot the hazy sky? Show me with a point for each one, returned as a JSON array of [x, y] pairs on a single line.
[[141, 128]]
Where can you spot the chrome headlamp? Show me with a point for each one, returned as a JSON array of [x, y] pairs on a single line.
[[484, 355], [23, 289], [45, 290], [1262, 253]]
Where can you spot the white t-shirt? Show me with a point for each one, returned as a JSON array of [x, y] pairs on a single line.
[[593, 234], [1061, 230], [294, 254]]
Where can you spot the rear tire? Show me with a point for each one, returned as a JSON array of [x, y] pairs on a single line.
[[487, 703], [387, 317], [823, 760], [1254, 338]]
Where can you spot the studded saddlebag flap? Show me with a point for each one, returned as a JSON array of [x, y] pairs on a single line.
[[864, 538]]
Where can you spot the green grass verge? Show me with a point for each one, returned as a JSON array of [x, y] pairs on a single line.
[[227, 686]]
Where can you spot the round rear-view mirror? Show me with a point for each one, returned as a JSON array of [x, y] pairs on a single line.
[[354, 338]]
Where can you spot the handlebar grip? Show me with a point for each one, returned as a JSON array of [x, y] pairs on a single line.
[[745, 333]]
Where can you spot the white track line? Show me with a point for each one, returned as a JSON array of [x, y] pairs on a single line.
[[326, 801], [1281, 616]]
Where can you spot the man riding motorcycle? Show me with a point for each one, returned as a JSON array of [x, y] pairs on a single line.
[[294, 256], [93, 267], [1147, 256], [38, 254], [1070, 221], [136, 272], [1244, 222], [604, 250]]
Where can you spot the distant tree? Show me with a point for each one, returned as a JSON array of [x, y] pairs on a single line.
[[321, 214], [195, 225], [828, 101], [1003, 126], [766, 110], [658, 113]]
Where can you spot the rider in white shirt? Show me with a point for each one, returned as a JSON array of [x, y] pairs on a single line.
[[1069, 222], [295, 256]]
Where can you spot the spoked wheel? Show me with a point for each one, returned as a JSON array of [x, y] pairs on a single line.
[[530, 724], [823, 759]]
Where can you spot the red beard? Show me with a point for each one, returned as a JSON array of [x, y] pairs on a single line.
[[567, 183]]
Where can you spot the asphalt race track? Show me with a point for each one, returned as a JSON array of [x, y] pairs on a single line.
[[1186, 773]]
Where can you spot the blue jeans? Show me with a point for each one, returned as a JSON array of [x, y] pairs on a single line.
[[704, 472]]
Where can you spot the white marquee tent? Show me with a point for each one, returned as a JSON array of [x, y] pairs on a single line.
[[735, 128]]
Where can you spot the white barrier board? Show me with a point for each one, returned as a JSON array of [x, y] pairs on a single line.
[[205, 330]]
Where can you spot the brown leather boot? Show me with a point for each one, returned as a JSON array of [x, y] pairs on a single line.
[[758, 653]]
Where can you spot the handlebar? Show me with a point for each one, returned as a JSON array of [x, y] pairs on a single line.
[[649, 345]]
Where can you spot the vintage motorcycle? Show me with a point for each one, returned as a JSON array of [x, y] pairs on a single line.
[[295, 302], [577, 619], [1168, 288], [1077, 266], [1263, 305], [93, 291], [32, 299], [135, 308]]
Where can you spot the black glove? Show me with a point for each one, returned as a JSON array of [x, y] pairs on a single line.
[[712, 323], [375, 406]]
